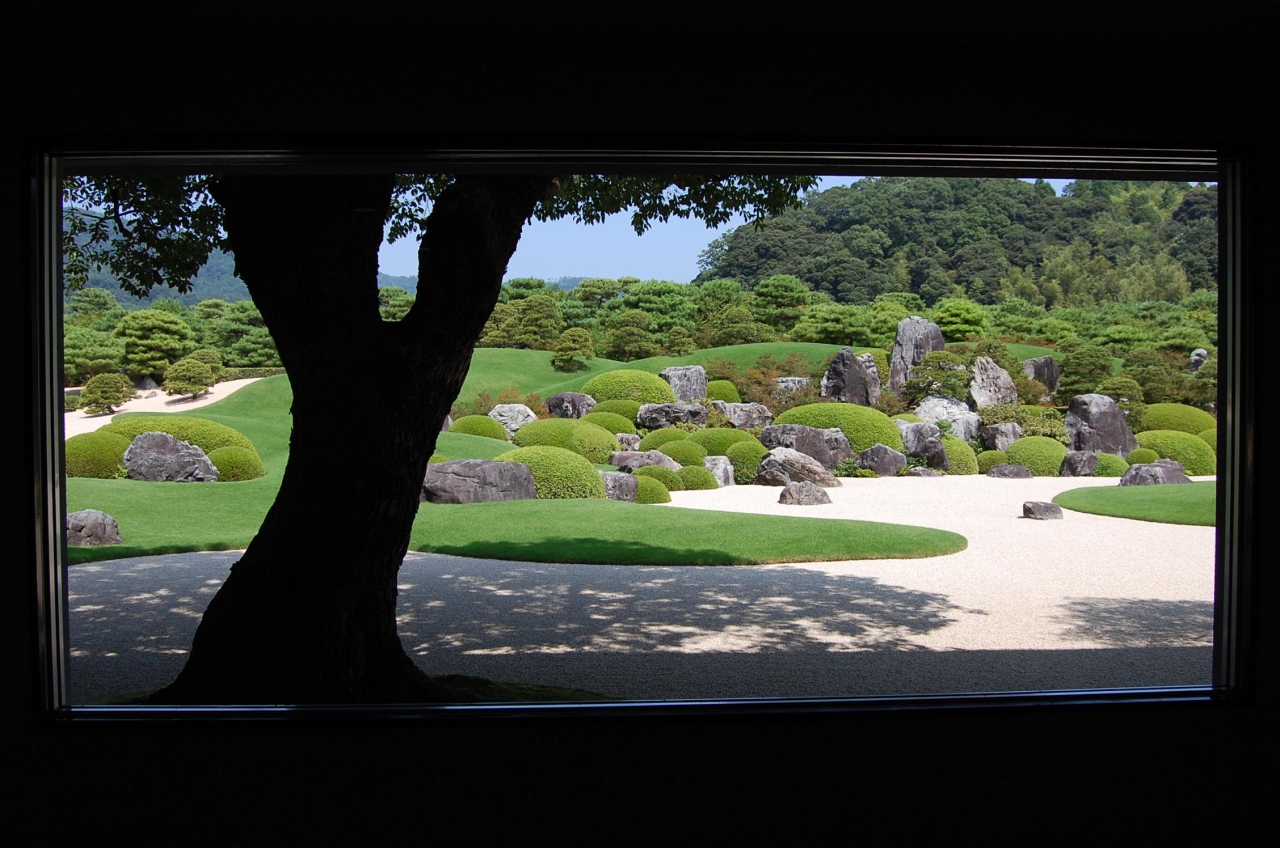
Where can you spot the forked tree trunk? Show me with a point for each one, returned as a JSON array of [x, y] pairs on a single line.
[[307, 615]]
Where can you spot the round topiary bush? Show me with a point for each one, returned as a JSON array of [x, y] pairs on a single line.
[[723, 390], [665, 476], [1141, 456], [1196, 457], [628, 409], [611, 422], [582, 437], [1177, 416], [629, 384], [650, 490], [1041, 454], [746, 457], [685, 452], [480, 425], [70, 403], [557, 472], [960, 456], [1110, 465], [989, 459], [204, 434], [658, 438], [696, 478], [862, 425], [1210, 438], [235, 463], [717, 440], [98, 454]]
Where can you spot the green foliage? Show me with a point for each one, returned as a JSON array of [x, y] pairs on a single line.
[[582, 437], [628, 409], [105, 392], [235, 463], [660, 437], [669, 479], [684, 452], [912, 418], [610, 421], [697, 478], [1084, 367], [650, 490], [1034, 420], [1209, 437], [990, 459], [1128, 396], [188, 377], [959, 318], [863, 426], [1196, 457], [940, 374], [573, 345], [850, 468], [87, 353], [717, 441], [153, 340], [557, 472], [629, 384], [1041, 454], [960, 456], [1141, 456], [746, 458], [1177, 416], [98, 454], [70, 403], [211, 358], [723, 390], [394, 303], [1162, 375], [479, 425], [201, 432], [1109, 465]]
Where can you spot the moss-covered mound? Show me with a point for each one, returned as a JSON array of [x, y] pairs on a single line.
[[685, 452], [1110, 465], [746, 457], [665, 476], [628, 409], [235, 463], [696, 478], [960, 456], [611, 422], [651, 491], [557, 472], [628, 384], [990, 459], [1177, 416], [862, 425], [582, 437], [204, 434], [1041, 454], [479, 425], [97, 454], [723, 390], [658, 438], [1196, 457], [717, 440]]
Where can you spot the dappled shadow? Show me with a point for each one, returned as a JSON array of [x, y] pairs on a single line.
[[1136, 623]]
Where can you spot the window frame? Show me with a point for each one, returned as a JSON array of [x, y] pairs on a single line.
[[1233, 619]]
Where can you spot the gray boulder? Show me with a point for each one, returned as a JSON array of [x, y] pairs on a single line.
[[788, 386], [628, 441], [91, 528], [1000, 436], [1078, 464], [916, 338], [512, 416], [570, 404], [1008, 471], [1199, 357], [852, 379], [721, 468], [883, 460], [924, 441], [965, 423], [1045, 369], [829, 446], [159, 457], [785, 465], [744, 416], [631, 460], [1160, 472], [991, 384], [1097, 423], [1041, 510], [460, 481], [922, 472], [803, 494], [657, 415], [620, 486], [689, 382]]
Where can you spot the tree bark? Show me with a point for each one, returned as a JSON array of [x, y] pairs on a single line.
[[307, 615]]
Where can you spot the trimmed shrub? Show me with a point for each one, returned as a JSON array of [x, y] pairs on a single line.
[[1210, 438], [1177, 416], [658, 438], [204, 434], [610, 421], [558, 473], [235, 463], [746, 457], [1110, 465], [718, 440], [628, 409], [909, 417], [989, 459], [696, 478], [723, 390], [70, 403], [629, 384], [649, 490], [668, 478], [685, 452], [480, 425], [582, 437], [862, 425], [1141, 456], [1041, 454], [960, 456], [98, 454], [1195, 456]]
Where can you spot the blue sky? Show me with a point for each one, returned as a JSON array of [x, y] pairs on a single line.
[[552, 249]]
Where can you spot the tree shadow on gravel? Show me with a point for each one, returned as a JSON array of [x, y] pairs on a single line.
[[1140, 623]]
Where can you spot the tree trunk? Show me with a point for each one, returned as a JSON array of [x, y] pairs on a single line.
[[307, 615]]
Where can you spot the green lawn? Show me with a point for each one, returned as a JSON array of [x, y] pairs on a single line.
[[1193, 503]]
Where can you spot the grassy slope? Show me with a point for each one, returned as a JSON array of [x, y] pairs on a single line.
[[1193, 503]]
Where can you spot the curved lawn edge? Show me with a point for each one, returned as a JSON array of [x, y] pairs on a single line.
[[1194, 503], [615, 533]]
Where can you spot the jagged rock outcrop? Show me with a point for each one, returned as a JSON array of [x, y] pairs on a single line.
[[512, 416], [1199, 357], [965, 423], [1078, 464], [159, 457], [721, 467], [925, 442], [570, 404], [461, 481], [916, 337], [883, 460], [1009, 471], [744, 416], [658, 415], [1041, 510], [829, 446], [1045, 369], [852, 379], [785, 465], [92, 527], [804, 494], [1000, 436], [628, 441], [1160, 472], [1097, 423], [631, 460], [689, 382], [990, 384], [620, 486]]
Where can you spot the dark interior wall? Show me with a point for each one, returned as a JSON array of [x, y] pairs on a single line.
[[1035, 773]]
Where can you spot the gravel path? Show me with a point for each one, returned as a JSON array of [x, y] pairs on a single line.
[[1087, 602]]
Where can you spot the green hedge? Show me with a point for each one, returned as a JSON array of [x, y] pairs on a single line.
[[204, 434], [1209, 437], [98, 454], [746, 457], [558, 473], [658, 438], [235, 463], [718, 440], [1110, 465], [960, 456], [1196, 457], [696, 478], [1141, 456], [665, 476], [650, 490], [582, 437], [628, 384], [480, 425], [862, 425], [990, 459], [685, 452], [628, 409], [723, 390], [1041, 454], [610, 421], [1177, 416]]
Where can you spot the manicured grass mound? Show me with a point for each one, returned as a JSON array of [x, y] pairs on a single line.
[[582, 437], [696, 478], [236, 464], [717, 440], [1041, 454], [1177, 416], [1186, 504], [1110, 465], [990, 459], [651, 491], [960, 456], [97, 454], [1141, 456], [628, 409], [629, 384], [479, 425], [862, 425], [746, 457], [611, 422], [685, 452], [558, 473], [615, 533], [665, 476], [1196, 457], [658, 438], [204, 434], [723, 390]]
